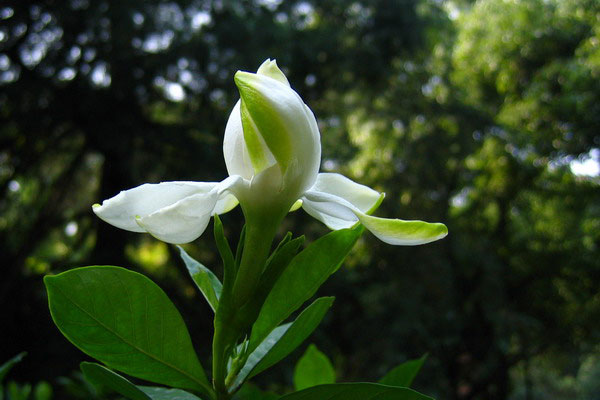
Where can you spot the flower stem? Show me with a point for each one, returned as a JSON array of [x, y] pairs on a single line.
[[257, 244], [229, 325]]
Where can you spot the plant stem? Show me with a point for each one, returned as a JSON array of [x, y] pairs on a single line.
[[257, 244], [230, 322]]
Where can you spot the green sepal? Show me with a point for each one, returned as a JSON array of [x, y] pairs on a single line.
[[207, 282], [240, 247], [229, 269]]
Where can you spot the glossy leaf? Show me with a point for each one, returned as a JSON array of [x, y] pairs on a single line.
[[102, 376], [252, 392], [300, 329], [126, 321], [284, 339], [301, 279], [229, 266], [210, 286], [403, 374], [355, 391], [312, 369], [159, 393], [7, 366]]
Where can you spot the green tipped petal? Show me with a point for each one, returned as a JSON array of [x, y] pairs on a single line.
[[273, 112], [260, 157], [270, 69], [403, 233], [260, 114], [296, 205]]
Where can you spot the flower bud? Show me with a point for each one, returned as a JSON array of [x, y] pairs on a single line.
[[272, 132]]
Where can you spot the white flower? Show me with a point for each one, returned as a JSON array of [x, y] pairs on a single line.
[[272, 152]]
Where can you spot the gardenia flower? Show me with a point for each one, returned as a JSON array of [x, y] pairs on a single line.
[[272, 152]]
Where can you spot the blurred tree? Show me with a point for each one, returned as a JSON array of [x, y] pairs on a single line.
[[463, 112], [94, 93]]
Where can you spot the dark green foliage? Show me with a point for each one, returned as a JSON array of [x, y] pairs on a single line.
[[404, 374], [300, 280], [206, 281], [124, 320], [356, 391], [313, 369], [8, 365], [102, 376]]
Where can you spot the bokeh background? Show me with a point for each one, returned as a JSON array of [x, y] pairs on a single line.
[[484, 115]]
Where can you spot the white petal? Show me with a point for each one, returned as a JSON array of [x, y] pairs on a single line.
[[340, 203], [334, 199], [400, 232], [360, 196], [183, 221], [269, 68], [226, 203], [332, 210], [286, 124], [235, 152], [122, 209], [227, 200]]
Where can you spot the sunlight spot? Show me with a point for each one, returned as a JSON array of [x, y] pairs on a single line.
[[100, 75], [66, 74], [588, 165], [14, 186], [174, 91], [71, 228], [200, 19]]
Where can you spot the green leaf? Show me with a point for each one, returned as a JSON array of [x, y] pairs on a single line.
[[252, 392], [18, 392], [284, 339], [355, 391], [42, 391], [158, 393], [210, 286], [301, 279], [7, 366], [300, 329], [126, 321], [229, 268], [313, 368], [102, 376], [403, 374]]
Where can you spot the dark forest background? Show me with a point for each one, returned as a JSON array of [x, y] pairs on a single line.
[[483, 115]]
